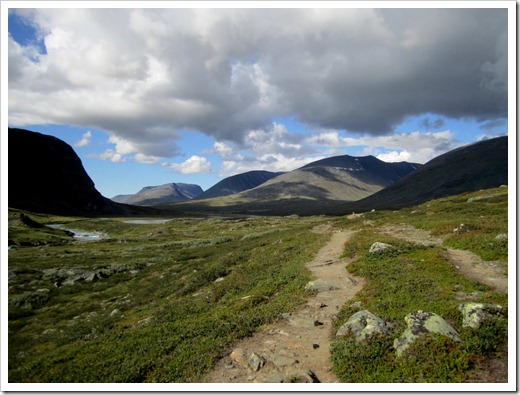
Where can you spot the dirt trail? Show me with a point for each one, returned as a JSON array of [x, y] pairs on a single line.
[[470, 265], [299, 342]]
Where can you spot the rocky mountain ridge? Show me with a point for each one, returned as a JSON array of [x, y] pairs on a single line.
[[166, 193]]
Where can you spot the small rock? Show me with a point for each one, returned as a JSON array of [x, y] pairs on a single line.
[[461, 229], [256, 362], [315, 346], [115, 312], [501, 237], [378, 247], [476, 314], [319, 286], [238, 355], [282, 360], [302, 376], [274, 378], [318, 323], [364, 325], [219, 280]]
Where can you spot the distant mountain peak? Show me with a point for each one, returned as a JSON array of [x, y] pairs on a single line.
[[161, 194]]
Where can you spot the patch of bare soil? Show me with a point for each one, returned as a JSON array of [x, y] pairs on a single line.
[[296, 348]]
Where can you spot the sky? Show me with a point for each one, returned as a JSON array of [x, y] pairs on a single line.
[[148, 96]]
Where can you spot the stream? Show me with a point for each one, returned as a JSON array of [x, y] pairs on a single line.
[[80, 235]]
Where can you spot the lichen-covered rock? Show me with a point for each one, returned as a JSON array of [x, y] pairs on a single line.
[[501, 237], [476, 314], [422, 322], [364, 325], [378, 247], [256, 361], [319, 286], [462, 228]]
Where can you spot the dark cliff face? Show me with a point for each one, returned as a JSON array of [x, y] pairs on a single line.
[[46, 175]]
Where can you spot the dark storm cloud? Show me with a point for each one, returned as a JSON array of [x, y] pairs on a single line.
[[143, 74]]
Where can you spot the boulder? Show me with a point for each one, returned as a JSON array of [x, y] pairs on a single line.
[[378, 247], [422, 322], [364, 325], [475, 314]]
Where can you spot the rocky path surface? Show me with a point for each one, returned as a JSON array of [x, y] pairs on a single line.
[[296, 348], [473, 267]]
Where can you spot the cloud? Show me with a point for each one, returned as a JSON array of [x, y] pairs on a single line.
[[85, 140], [144, 74], [394, 156], [412, 147], [194, 164], [435, 124]]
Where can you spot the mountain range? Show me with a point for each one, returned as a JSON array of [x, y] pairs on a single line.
[[46, 175], [167, 193], [324, 183]]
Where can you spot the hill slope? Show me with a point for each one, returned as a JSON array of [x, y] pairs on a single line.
[[238, 183], [46, 176], [477, 166], [311, 188], [166, 193]]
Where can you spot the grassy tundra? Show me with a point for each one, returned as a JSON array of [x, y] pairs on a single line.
[[162, 302]]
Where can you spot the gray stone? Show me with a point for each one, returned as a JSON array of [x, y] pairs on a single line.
[[115, 312], [422, 322], [319, 286], [256, 362], [301, 376], [274, 378], [501, 237], [364, 325], [378, 247], [475, 314], [462, 228], [282, 360]]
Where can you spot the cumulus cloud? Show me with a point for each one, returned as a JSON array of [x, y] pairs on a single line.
[[411, 147], [394, 156], [85, 140], [145, 73], [194, 164]]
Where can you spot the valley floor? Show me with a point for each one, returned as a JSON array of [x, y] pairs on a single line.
[[257, 300]]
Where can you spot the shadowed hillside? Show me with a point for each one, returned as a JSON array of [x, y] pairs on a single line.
[[477, 166], [238, 183], [46, 176]]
